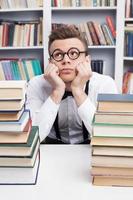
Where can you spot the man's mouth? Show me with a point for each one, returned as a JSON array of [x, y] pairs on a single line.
[[66, 71]]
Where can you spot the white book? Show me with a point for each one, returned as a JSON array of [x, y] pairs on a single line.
[[19, 175], [16, 126], [12, 89]]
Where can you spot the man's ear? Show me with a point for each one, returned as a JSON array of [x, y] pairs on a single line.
[[88, 58]]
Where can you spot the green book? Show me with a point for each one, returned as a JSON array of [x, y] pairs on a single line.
[[21, 149]]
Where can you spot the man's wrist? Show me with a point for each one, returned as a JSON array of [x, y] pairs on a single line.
[[57, 95]]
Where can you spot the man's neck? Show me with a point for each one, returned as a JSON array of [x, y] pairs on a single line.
[[68, 86]]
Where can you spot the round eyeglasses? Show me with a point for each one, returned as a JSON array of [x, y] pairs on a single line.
[[73, 53]]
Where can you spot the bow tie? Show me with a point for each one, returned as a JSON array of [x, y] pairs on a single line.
[[66, 94]]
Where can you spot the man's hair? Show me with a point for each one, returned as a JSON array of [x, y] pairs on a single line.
[[66, 32]]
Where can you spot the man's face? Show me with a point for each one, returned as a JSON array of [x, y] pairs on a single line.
[[67, 66]]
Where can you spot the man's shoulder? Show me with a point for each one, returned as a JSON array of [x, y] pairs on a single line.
[[100, 78], [39, 80]]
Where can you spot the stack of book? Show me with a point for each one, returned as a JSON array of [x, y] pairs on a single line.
[[19, 140], [112, 141]]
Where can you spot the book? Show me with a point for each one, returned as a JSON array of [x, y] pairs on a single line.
[[112, 181], [115, 103], [112, 171], [11, 115], [20, 175], [11, 105], [112, 130], [112, 141], [113, 118], [112, 161], [21, 149], [12, 89], [14, 137], [17, 126], [20, 161], [112, 151]]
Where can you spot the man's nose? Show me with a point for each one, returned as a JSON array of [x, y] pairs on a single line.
[[66, 58]]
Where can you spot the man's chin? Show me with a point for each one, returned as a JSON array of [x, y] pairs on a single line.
[[67, 79]]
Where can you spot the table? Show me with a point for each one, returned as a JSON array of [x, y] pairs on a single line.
[[65, 175]]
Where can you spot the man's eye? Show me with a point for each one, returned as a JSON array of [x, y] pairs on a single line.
[[58, 55], [73, 53]]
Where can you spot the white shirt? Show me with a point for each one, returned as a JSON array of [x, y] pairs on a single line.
[[44, 110]]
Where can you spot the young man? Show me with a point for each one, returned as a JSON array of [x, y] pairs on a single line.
[[63, 100]]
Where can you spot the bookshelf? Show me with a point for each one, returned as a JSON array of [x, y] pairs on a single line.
[[127, 53], [21, 13], [116, 63], [113, 54]]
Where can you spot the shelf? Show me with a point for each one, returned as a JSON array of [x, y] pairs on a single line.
[[128, 58], [102, 47], [82, 8], [128, 19], [21, 48], [21, 10]]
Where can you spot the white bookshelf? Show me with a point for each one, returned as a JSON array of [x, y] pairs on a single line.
[[39, 52], [112, 55], [127, 62], [78, 15]]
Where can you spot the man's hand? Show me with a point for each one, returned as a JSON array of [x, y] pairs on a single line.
[[84, 73], [52, 76]]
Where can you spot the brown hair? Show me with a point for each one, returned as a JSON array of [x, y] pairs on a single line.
[[66, 32]]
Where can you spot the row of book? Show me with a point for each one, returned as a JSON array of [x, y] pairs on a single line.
[[129, 40], [95, 33], [129, 8], [9, 4], [127, 87], [19, 69], [19, 140], [112, 141], [21, 33], [82, 3]]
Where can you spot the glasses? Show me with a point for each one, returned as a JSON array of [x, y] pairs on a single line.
[[72, 53]]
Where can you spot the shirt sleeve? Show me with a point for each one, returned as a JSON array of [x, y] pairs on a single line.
[[87, 109], [86, 112], [45, 117], [43, 113]]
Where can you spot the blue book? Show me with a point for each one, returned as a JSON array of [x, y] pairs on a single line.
[[15, 126]]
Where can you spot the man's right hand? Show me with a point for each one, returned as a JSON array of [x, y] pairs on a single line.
[[52, 76]]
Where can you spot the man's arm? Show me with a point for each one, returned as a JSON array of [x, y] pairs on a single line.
[[87, 109], [43, 112]]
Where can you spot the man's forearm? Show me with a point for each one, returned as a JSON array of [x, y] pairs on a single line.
[[79, 96]]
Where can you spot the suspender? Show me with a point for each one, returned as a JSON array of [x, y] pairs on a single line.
[[56, 126]]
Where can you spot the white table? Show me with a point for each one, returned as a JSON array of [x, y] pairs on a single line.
[[64, 175]]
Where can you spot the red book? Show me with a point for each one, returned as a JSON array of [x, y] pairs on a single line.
[[111, 25]]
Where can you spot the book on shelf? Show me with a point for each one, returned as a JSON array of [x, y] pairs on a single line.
[[115, 103], [20, 175], [112, 181], [127, 87], [112, 141], [20, 149], [19, 69], [12, 90], [112, 151], [20, 33], [112, 171], [15, 126], [82, 3]]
